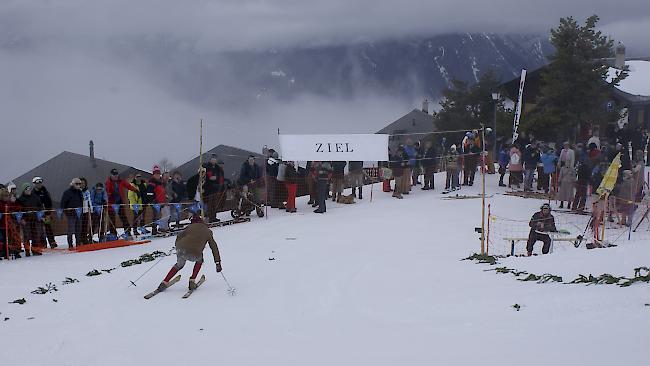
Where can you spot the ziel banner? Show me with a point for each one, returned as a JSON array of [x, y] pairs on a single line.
[[362, 147]]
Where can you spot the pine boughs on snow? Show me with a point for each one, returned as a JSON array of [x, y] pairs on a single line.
[[517, 307], [638, 277], [147, 257], [482, 258], [69, 281], [49, 287], [19, 301], [94, 272]]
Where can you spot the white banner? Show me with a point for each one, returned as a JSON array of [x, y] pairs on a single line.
[[515, 125], [362, 147]]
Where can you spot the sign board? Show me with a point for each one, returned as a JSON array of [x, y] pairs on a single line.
[[352, 147]]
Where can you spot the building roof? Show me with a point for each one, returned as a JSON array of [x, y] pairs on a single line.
[[232, 157], [637, 81], [59, 171], [415, 122], [635, 88]]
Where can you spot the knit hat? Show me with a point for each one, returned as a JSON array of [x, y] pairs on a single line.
[[37, 180], [155, 169], [114, 171], [25, 186], [75, 181]]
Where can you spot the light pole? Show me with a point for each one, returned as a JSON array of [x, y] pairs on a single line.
[[495, 97]]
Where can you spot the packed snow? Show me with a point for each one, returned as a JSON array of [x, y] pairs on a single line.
[[373, 283]]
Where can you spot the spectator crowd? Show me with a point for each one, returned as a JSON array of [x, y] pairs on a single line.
[[570, 171]]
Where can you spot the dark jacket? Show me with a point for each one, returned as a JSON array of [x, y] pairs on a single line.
[[429, 158], [531, 158], [44, 195], [355, 167], [323, 170], [338, 168], [249, 173], [29, 203], [471, 159], [180, 192], [584, 174], [290, 174], [71, 198], [548, 223], [213, 185]]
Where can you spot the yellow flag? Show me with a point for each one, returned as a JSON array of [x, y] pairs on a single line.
[[609, 179]]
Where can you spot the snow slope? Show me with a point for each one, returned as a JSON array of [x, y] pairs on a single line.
[[376, 283]]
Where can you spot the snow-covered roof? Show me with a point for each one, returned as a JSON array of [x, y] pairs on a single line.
[[638, 80]]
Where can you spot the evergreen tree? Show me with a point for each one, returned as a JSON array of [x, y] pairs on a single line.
[[466, 107], [574, 85]]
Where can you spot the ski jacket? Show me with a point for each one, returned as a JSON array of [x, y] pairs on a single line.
[[547, 223], [355, 167], [584, 173], [44, 195], [323, 170], [179, 192], [7, 208], [338, 168], [139, 196], [116, 190], [504, 158], [549, 161], [429, 160], [411, 152], [249, 173], [214, 179], [531, 158], [72, 198], [98, 198], [192, 241], [87, 201], [156, 191]]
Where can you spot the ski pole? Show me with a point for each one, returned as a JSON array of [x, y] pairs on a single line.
[[231, 290], [150, 268]]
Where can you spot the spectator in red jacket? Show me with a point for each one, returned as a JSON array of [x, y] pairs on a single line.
[[116, 188], [156, 195], [214, 189], [9, 229]]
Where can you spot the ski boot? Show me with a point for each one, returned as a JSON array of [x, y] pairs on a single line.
[[192, 284]]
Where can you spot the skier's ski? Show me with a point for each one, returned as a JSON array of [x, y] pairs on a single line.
[[156, 291], [189, 292]]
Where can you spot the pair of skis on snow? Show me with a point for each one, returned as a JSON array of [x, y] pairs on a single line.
[[173, 281]]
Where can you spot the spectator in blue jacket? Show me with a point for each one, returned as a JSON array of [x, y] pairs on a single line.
[[549, 161], [504, 159], [98, 198]]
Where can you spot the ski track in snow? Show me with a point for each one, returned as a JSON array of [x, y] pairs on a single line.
[[371, 283]]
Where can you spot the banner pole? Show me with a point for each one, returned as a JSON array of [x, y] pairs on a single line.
[[201, 173], [6, 233], [483, 194], [372, 181]]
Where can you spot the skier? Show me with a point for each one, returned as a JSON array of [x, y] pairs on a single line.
[[189, 247], [541, 222]]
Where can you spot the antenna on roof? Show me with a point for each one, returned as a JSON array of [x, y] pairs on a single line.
[[92, 153]]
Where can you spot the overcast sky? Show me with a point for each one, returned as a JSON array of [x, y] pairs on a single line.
[[60, 86]]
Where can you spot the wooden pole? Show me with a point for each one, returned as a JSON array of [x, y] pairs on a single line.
[[201, 173], [487, 247], [483, 193], [372, 181], [6, 233]]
